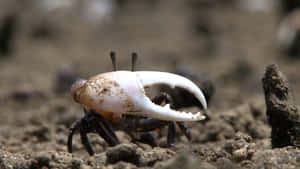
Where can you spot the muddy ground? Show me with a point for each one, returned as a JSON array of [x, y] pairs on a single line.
[[221, 39]]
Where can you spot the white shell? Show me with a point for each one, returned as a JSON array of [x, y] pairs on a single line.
[[123, 92]]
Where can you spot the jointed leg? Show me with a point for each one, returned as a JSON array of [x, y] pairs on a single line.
[[171, 134], [144, 137], [186, 131], [73, 129], [92, 122], [80, 126], [150, 124], [111, 139], [104, 129], [164, 97], [85, 141]]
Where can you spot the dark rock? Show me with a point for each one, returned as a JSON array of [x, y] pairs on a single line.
[[124, 152], [7, 34]]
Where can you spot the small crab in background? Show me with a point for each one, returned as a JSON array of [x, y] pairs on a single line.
[[117, 101]]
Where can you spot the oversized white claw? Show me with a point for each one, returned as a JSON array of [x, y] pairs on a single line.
[[166, 113], [149, 109], [149, 78]]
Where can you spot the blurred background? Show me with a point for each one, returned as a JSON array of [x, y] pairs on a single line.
[[46, 44]]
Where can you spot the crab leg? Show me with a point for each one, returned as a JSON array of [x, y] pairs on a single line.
[[185, 130], [105, 134], [171, 134], [74, 128], [150, 125], [85, 141], [106, 129], [144, 137], [167, 98], [101, 126]]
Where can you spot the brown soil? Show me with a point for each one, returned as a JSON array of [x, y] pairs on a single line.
[[230, 44]]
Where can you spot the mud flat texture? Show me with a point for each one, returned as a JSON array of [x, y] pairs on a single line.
[[46, 46]]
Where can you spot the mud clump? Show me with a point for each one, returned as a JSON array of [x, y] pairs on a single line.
[[282, 113], [131, 153], [240, 148], [184, 160]]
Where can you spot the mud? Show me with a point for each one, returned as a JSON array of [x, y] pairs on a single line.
[[49, 48]]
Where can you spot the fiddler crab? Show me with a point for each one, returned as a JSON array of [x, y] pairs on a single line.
[[117, 101]]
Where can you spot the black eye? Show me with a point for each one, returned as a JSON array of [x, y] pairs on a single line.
[[105, 90]]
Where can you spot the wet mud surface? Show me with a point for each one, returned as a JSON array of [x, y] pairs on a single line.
[[224, 42]]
